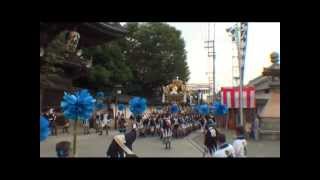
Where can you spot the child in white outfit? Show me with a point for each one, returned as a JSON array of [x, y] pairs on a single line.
[[240, 143]]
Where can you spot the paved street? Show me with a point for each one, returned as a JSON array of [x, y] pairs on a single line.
[[93, 145]]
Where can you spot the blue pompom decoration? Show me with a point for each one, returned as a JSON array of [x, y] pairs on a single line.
[[99, 101], [219, 109], [203, 109], [44, 128], [78, 106], [121, 107], [195, 108], [100, 95], [99, 105], [174, 108], [137, 105]]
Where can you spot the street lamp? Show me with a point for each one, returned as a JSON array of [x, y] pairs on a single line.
[[118, 93]]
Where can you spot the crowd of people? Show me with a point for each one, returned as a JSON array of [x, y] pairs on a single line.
[[100, 121], [155, 124], [216, 144], [179, 125], [162, 124]]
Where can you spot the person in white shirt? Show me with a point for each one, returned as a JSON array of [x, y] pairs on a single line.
[[106, 122], [86, 127], [99, 122], [167, 133], [240, 143], [210, 140], [52, 121], [224, 149]]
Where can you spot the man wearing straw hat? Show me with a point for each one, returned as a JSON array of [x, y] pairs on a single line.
[[121, 145], [115, 150]]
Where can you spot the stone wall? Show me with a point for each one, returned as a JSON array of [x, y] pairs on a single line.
[[269, 129]]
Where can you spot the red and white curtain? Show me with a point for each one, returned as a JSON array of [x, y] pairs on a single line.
[[230, 96]]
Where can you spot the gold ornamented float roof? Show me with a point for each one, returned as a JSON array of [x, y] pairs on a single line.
[[175, 91]]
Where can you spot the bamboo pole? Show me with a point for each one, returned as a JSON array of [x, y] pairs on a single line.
[[227, 118], [75, 138]]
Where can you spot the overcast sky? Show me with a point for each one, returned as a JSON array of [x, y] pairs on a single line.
[[263, 38]]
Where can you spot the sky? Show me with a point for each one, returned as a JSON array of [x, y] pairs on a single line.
[[263, 39]]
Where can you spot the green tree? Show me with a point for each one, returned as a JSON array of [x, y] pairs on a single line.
[[150, 56], [156, 54], [109, 68], [55, 55]]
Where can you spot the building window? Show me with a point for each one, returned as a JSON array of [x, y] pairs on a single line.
[[266, 91]]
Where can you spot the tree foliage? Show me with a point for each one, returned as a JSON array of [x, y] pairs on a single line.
[[150, 56], [109, 67], [156, 54], [54, 54]]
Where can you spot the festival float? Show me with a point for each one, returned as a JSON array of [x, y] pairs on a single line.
[[175, 93]]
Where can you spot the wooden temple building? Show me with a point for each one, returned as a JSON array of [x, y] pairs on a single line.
[[268, 100], [78, 36]]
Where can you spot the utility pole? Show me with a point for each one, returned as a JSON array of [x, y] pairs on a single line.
[[239, 37], [236, 37], [211, 53], [242, 53], [241, 82]]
